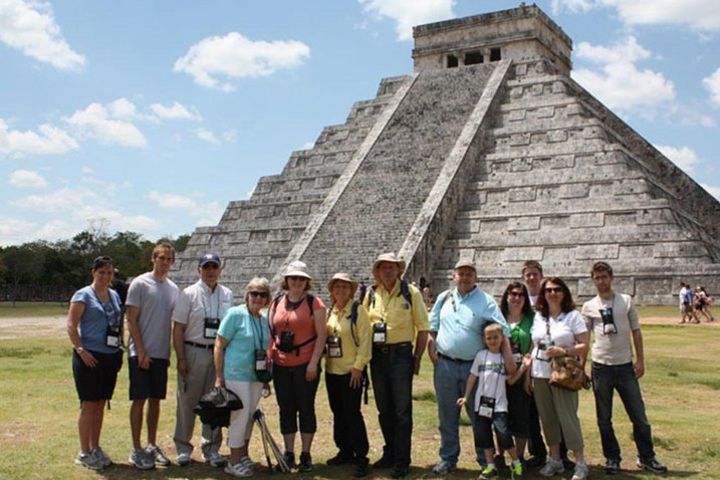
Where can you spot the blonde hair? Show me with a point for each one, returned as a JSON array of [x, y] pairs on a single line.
[[258, 283], [161, 247], [492, 327]]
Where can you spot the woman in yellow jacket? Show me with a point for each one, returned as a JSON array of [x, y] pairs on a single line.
[[348, 352]]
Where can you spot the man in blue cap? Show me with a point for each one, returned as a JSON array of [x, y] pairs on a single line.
[[196, 319]]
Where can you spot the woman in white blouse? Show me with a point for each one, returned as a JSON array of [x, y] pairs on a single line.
[[558, 330]]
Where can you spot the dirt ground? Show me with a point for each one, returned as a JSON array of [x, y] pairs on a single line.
[[54, 327]]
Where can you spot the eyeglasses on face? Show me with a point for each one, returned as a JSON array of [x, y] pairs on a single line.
[[553, 290], [259, 294], [516, 294]]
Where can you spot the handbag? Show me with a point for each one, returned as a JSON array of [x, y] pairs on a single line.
[[568, 373]]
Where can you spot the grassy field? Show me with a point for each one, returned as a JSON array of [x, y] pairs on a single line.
[[38, 437], [32, 309]]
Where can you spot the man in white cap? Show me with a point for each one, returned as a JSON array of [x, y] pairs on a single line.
[[457, 321], [398, 317], [196, 319]]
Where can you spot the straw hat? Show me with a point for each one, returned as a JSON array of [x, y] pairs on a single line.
[[345, 278], [389, 257], [297, 269]]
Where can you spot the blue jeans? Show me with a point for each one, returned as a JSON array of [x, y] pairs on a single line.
[[450, 378], [606, 379], [391, 371]]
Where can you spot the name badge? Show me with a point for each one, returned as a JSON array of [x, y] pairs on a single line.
[[260, 360], [517, 358], [211, 328], [112, 338], [542, 346], [487, 407], [379, 333], [334, 347], [516, 355], [608, 321]]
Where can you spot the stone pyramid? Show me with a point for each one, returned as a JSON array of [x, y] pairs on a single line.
[[488, 151]]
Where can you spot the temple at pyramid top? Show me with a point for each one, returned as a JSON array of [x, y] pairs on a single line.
[[519, 34], [487, 151]]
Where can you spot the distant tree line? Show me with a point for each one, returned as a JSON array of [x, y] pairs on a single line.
[[52, 271]]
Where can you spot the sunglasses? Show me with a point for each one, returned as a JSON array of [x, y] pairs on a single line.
[[553, 290], [516, 294], [259, 294]]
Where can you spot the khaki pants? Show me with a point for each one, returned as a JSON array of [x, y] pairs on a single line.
[[558, 414], [199, 380]]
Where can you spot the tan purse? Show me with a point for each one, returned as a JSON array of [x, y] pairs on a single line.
[[568, 373]]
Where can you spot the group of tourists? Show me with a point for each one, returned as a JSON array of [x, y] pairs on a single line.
[[694, 303], [498, 361]]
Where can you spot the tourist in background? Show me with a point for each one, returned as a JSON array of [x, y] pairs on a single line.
[[349, 347], [558, 331], [297, 322], [94, 324], [241, 365]]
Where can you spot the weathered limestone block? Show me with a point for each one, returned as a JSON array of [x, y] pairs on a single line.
[[574, 190], [522, 194], [522, 253], [523, 223], [599, 251], [584, 220]]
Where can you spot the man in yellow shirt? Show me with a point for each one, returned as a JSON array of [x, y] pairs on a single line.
[[398, 317]]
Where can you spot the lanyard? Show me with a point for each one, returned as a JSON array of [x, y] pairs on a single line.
[[257, 329], [212, 294], [111, 319]]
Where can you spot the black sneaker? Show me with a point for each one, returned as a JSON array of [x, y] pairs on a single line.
[[305, 462], [384, 462], [534, 462], [289, 458], [399, 471], [361, 468], [652, 465], [341, 458], [612, 467]]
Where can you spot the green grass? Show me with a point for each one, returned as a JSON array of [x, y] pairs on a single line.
[[32, 309], [38, 436], [664, 311]]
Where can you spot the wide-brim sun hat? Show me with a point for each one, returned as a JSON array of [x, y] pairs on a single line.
[[344, 277], [297, 269], [388, 257]]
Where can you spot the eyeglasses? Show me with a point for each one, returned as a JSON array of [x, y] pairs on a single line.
[[553, 290], [516, 294], [296, 278], [259, 294]]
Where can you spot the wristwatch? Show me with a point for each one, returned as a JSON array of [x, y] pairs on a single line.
[[79, 350]]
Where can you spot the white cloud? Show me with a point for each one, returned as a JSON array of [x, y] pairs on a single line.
[[712, 190], [619, 83], [15, 232], [29, 26], [215, 60], [683, 157], [208, 213], [699, 15], [27, 179], [70, 199], [408, 13], [49, 141], [230, 136], [712, 84], [176, 111], [207, 136], [108, 125]]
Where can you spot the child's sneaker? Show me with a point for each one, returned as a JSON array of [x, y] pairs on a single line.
[[516, 471], [488, 472], [581, 471], [552, 467]]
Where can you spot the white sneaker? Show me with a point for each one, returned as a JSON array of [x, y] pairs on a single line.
[[238, 470], [248, 463], [183, 459], [100, 453], [89, 460], [552, 467], [215, 459], [581, 471]]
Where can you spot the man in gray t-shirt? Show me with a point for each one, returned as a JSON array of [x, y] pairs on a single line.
[[615, 326], [150, 302]]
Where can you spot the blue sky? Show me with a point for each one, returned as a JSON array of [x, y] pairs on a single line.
[[151, 116]]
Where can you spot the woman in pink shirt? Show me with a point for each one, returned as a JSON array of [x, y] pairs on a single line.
[[297, 322]]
